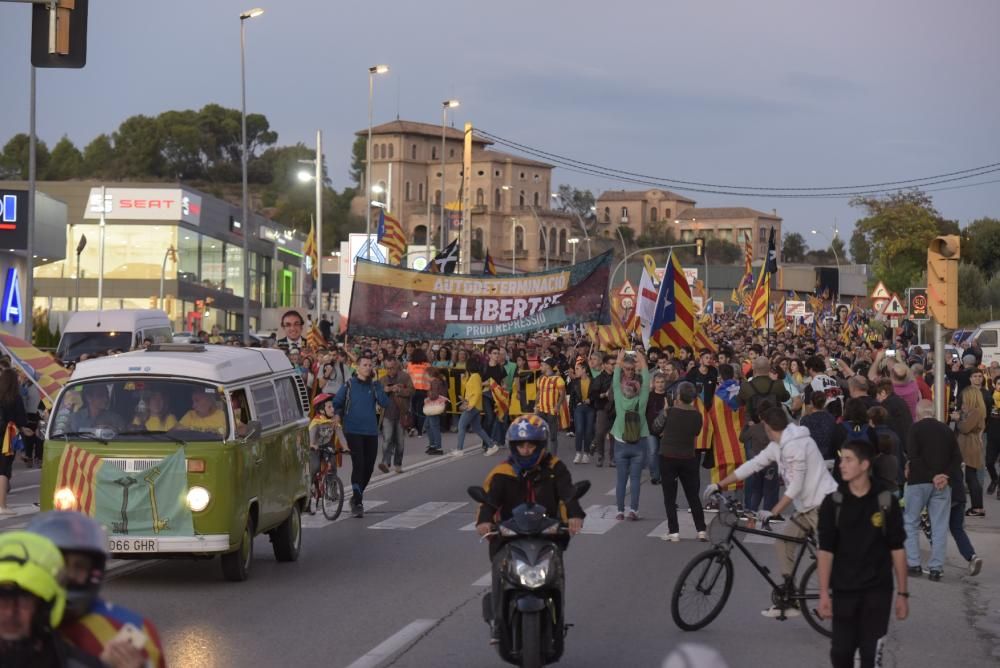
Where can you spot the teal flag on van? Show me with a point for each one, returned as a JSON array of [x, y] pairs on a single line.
[[152, 502]]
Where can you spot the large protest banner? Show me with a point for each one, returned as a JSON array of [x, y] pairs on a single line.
[[404, 304]]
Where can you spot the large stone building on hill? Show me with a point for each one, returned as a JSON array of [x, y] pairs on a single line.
[[510, 199]]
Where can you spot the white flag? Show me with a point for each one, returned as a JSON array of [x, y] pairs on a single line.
[[646, 307]]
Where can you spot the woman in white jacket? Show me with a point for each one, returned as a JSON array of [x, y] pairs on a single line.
[[804, 475]]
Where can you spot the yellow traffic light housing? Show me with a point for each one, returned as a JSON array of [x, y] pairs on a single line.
[[943, 256]]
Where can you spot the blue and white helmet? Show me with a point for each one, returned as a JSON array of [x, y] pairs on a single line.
[[528, 428]]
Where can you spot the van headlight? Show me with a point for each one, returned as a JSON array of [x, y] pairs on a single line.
[[532, 577], [198, 498], [64, 499]]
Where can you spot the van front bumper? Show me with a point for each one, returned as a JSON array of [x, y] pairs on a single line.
[[152, 545]]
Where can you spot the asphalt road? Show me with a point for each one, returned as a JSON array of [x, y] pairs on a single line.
[[402, 587]]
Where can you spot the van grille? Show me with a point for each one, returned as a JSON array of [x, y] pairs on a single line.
[[132, 464], [300, 385]]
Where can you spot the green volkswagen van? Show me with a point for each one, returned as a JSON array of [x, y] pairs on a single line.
[[184, 451]]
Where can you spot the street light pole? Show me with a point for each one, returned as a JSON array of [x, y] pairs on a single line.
[[319, 227], [244, 216], [583, 226], [372, 71], [445, 106]]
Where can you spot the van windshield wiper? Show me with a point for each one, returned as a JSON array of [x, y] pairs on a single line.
[[150, 432], [87, 434]]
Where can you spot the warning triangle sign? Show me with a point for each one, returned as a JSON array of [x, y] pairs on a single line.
[[880, 291], [894, 307], [627, 290]]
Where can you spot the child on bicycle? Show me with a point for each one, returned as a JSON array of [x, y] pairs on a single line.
[[321, 431]]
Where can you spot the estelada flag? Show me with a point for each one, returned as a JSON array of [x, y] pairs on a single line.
[[501, 399], [47, 373], [673, 320], [77, 472], [564, 414], [726, 424], [9, 437], [390, 235]]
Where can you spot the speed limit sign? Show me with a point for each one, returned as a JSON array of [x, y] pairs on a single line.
[[917, 298]]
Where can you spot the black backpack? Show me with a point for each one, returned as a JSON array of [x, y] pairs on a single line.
[[756, 398]]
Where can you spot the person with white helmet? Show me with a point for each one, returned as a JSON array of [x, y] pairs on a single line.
[[32, 603], [91, 624]]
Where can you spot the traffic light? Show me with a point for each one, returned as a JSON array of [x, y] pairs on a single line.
[[699, 246], [59, 33], [942, 279]]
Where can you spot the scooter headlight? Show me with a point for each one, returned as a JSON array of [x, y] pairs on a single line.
[[532, 577]]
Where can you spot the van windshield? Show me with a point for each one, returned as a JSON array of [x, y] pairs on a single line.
[[73, 345], [141, 410]]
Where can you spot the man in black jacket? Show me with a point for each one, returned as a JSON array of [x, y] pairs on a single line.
[[933, 453], [602, 400], [860, 548]]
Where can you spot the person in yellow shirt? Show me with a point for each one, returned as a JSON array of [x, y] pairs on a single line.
[[205, 414], [471, 406], [155, 417]]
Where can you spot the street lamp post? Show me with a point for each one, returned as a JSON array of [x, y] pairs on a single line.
[[573, 241], [318, 178], [244, 219], [445, 106], [372, 71], [583, 226], [170, 254]]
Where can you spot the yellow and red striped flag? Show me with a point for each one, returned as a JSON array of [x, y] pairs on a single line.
[[311, 251], [779, 316], [390, 235], [702, 341], [42, 367], [77, 472], [501, 399], [489, 266], [315, 338], [673, 319], [726, 424]]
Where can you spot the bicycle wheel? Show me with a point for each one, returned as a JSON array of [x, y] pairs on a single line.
[[809, 601], [333, 496], [702, 590]]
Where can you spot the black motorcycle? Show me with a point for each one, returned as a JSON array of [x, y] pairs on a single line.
[[528, 564]]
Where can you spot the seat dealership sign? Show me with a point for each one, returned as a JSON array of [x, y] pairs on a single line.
[[144, 204]]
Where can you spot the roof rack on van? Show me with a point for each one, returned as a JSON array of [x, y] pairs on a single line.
[[176, 348]]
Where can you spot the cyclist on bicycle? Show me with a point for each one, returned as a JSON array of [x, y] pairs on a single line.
[[806, 478], [321, 431]]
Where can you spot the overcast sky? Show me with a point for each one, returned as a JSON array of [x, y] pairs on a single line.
[[771, 93]]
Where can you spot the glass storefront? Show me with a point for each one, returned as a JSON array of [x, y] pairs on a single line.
[[130, 252]]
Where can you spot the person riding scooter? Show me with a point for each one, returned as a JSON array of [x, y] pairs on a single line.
[[529, 475]]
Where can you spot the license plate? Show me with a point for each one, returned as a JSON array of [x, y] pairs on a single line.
[[122, 544]]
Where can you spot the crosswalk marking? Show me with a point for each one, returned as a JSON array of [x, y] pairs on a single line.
[[485, 581], [600, 519], [642, 481], [419, 516], [469, 527], [317, 521]]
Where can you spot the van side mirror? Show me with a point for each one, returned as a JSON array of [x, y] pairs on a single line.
[[253, 431]]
